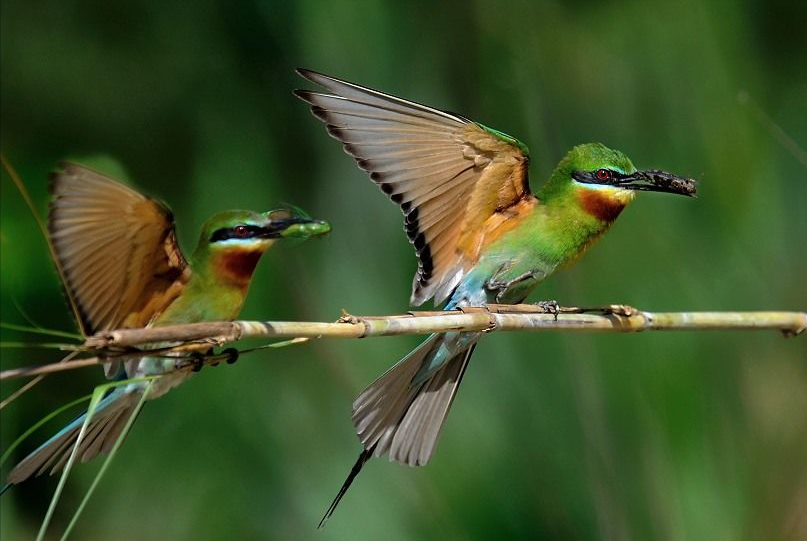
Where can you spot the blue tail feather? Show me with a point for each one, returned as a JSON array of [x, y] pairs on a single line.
[[107, 423]]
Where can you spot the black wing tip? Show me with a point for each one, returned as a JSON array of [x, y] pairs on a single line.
[[309, 96], [62, 168], [459, 116], [302, 94], [319, 112], [365, 165], [316, 77], [337, 132], [69, 167], [64, 165], [306, 73], [54, 177]]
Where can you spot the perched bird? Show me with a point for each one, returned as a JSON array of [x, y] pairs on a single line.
[[118, 255], [480, 234]]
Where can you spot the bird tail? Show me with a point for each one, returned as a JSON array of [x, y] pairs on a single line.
[[103, 430], [402, 412], [354, 471]]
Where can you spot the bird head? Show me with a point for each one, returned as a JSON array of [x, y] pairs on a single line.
[[604, 180], [233, 241], [595, 166], [257, 231]]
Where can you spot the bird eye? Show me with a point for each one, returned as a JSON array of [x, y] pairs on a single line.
[[603, 175], [241, 231]]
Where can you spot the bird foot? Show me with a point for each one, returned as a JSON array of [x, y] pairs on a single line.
[[197, 360], [549, 307], [232, 355]]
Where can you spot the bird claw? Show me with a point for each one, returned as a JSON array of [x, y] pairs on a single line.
[[504, 287], [232, 355], [197, 360], [549, 307]]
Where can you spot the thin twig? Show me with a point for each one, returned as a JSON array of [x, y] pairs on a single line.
[[175, 351], [25, 388]]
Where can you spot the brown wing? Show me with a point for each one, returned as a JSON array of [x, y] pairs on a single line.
[[116, 250], [455, 180]]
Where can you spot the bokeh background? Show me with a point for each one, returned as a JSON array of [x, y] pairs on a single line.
[[648, 436]]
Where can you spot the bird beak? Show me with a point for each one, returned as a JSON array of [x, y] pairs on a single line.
[[654, 180], [287, 224]]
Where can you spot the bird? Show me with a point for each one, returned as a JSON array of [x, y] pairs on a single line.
[[121, 266], [480, 233]]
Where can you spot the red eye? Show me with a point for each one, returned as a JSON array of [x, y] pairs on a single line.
[[603, 174], [241, 231]]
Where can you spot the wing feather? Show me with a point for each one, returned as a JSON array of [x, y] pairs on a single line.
[[448, 174], [116, 249]]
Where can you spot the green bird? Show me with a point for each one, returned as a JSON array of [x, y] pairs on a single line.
[[122, 268], [481, 236]]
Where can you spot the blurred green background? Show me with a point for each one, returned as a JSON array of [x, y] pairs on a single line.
[[649, 436]]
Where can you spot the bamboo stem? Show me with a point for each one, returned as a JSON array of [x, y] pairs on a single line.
[[524, 317]]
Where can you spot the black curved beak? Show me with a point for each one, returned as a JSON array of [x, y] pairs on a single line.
[[654, 180]]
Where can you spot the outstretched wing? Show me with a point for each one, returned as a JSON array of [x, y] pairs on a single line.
[[116, 250], [455, 180]]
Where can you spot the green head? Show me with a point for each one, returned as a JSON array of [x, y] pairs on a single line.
[[230, 247], [251, 230], [233, 241], [595, 166], [605, 180]]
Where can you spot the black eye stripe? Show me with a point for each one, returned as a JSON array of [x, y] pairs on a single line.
[[590, 177], [226, 233]]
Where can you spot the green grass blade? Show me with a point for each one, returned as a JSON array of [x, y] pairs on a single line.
[[15, 178], [40, 345], [97, 396], [108, 460], [281, 344], [39, 330], [31, 383], [32, 429]]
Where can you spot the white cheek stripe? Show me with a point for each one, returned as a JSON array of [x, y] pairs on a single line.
[[602, 187], [242, 243]]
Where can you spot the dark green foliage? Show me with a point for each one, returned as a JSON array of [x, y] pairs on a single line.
[[650, 436]]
